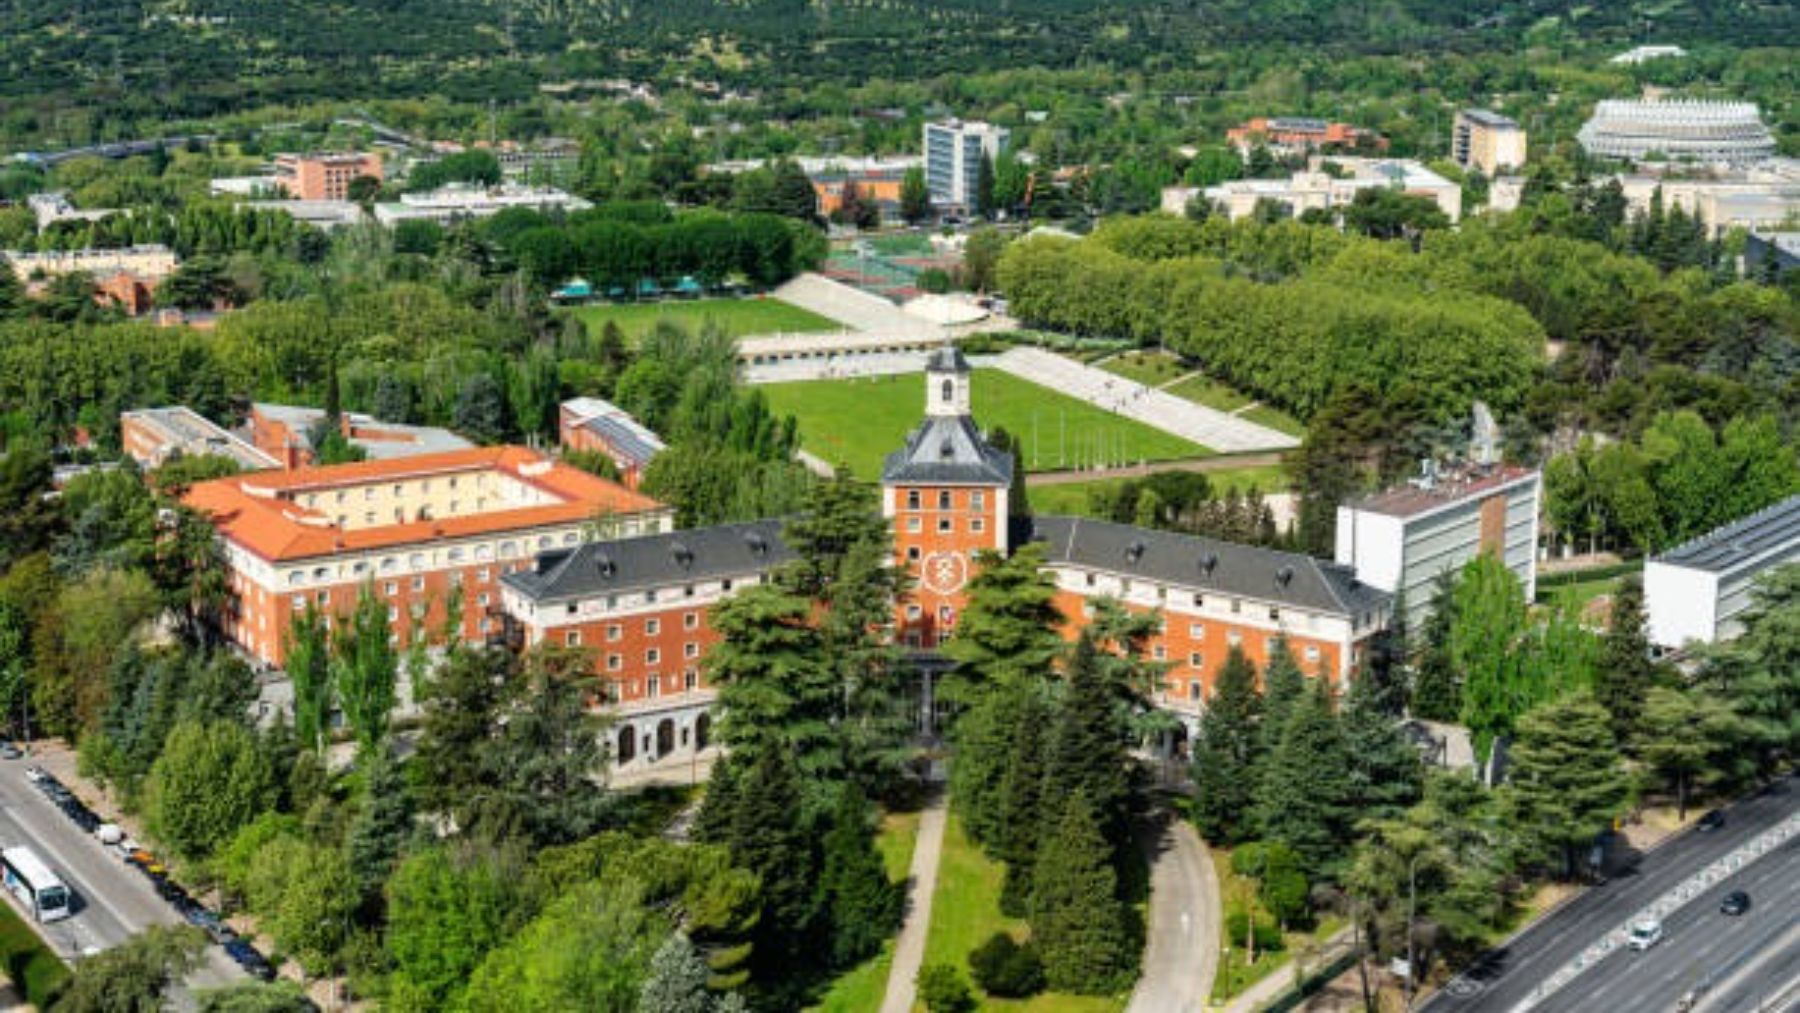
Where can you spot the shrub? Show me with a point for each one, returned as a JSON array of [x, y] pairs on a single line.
[[1268, 937], [942, 990], [1006, 969]]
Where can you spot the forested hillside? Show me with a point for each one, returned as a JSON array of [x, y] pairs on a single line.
[[134, 59]]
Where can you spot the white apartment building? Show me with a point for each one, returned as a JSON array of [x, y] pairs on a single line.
[[1401, 540], [459, 201], [1488, 141], [953, 153]]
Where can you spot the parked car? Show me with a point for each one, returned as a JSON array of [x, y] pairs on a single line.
[[1644, 934], [10, 751], [35, 774], [250, 959], [1735, 903], [109, 833], [1710, 822]]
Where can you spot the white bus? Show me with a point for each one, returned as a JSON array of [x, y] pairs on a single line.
[[36, 886]]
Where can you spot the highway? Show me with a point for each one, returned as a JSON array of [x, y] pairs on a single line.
[[113, 901], [1505, 976]]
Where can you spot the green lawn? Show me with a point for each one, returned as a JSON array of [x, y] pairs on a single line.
[[1073, 498], [1276, 419], [1574, 597], [860, 989], [860, 421], [965, 911], [34, 970], [1149, 368], [1204, 390], [737, 317]]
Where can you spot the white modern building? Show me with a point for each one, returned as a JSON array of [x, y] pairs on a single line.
[[1760, 198], [1328, 185], [1677, 130], [459, 201], [953, 153], [1698, 592], [1402, 540]]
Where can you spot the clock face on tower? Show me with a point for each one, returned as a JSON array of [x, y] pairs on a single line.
[[944, 572]]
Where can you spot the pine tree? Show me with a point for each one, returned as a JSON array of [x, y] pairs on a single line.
[[1225, 753], [677, 980], [1436, 690], [1077, 921], [769, 837], [1022, 803], [1008, 630], [382, 824], [1303, 793], [915, 197], [1087, 754], [1383, 768], [1625, 671], [776, 689], [1283, 687], [1567, 782], [855, 892], [984, 187]]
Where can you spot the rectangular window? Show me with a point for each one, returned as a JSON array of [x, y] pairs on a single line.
[[725, 585], [913, 612], [688, 591], [613, 632], [323, 597], [944, 499], [1274, 615], [691, 621], [945, 525], [1196, 660], [914, 525], [1196, 631], [652, 627], [652, 656], [650, 596], [418, 583], [912, 499], [912, 553], [482, 599], [1234, 638], [1236, 606], [977, 525], [299, 603], [482, 575], [977, 500], [1199, 601], [570, 608], [393, 588], [572, 638], [1312, 654], [690, 678], [1159, 652], [1194, 690], [614, 662], [690, 650]]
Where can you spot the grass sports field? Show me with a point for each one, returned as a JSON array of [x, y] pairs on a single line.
[[859, 421], [737, 317]]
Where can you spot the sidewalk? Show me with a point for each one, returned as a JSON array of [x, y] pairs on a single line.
[[1271, 987], [909, 948]]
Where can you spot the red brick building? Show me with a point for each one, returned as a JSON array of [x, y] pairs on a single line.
[[590, 423], [1301, 134], [422, 531], [324, 176], [641, 605]]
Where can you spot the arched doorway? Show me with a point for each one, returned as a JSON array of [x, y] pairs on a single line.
[[702, 731], [627, 749], [665, 737]]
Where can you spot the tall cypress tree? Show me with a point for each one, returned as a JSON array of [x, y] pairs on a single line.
[[1303, 794], [1077, 921], [1625, 672], [1008, 630], [1283, 687], [1225, 753]]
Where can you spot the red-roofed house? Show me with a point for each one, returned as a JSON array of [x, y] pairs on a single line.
[[420, 529]]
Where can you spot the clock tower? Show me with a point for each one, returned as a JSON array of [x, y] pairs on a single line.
[[945, 493]]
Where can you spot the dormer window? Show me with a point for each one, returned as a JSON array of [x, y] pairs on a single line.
[[949, 391]]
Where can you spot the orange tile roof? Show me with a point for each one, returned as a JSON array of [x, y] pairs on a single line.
[[253, 511]]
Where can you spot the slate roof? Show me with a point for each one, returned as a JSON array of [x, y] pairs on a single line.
[[1763, 534], [948, 450], [638, 563], [1206, 564]]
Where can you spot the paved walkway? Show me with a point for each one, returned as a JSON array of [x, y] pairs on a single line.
[[909, 949], [849, 305], [1208, 427], [1265, 991], [1182, 953]]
